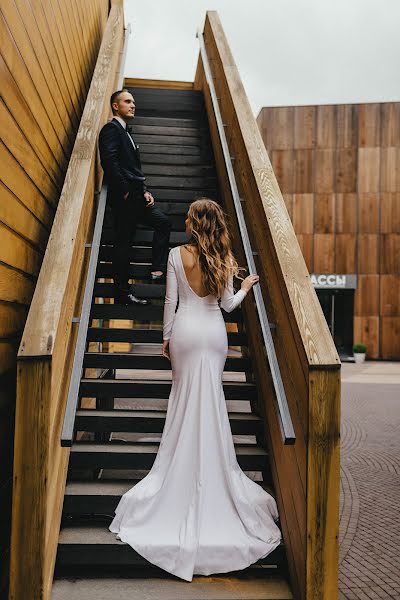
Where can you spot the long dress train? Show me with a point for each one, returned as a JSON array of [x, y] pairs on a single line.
[[196, 512]]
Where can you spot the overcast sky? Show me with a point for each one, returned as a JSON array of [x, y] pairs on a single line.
[[287, 51]]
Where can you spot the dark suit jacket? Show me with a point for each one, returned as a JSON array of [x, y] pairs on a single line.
[[120, 161]]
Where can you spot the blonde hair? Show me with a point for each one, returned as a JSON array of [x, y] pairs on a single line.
[[211, 239]]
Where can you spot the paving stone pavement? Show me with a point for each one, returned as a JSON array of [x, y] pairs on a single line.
[[370, 482]]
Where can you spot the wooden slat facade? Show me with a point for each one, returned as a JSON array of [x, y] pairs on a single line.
[[347, 159], [47, 57]]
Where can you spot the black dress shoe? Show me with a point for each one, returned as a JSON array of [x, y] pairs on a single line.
[[158, 278], [130, 299]]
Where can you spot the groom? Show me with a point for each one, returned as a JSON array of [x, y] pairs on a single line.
[[130, 200]]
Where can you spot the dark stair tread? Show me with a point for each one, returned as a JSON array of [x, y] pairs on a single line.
[[146, 236], [181, 170], [129, 360], [120, 334], [91, 545], [142, 290], [168, 121], [159, 148], [152, 421], [141, 313], [144, 388], [110, 488], [160, 129]]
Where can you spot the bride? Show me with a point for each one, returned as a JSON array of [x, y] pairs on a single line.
[[196, 512]]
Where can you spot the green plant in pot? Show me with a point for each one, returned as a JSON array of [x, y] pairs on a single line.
[[359, 351]]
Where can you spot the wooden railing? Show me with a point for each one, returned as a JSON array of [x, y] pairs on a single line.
[[306, 474], [48, 343]]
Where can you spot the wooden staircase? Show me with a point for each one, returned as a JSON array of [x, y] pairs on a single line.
[[117, 432]]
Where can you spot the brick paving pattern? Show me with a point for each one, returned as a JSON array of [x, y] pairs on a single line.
[[370, 482]]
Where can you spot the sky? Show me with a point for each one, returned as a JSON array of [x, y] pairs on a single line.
[[289, 52]]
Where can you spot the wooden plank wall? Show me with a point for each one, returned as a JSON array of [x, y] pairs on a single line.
[[47, 56], [338, 167], [306, 479]]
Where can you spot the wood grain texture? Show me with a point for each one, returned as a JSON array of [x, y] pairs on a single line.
[[324, 213], [158, 83], [369, 125], [355, 166], [390, 295], [390, 169], [303, 213], [390, 337], [345, 253], [323, 476], [390, 124], [346, 211], [301, 338], [347, 125], [324, 252], [48, 341], [366, 331], [346, 170], [366, 298], [303, 171], [326, 126], [390, 212], [367, 253], [304, 126], [390, 253], [368, 212], [368, 169]]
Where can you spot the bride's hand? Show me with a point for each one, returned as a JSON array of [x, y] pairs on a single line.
[[248, 283], [165, 349]]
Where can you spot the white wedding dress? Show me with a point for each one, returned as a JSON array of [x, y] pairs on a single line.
[[196, 512]]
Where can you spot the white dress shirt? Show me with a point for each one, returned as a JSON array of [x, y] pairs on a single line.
[[124, 126]]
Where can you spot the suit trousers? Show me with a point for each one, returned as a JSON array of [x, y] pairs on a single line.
[[127, 214]]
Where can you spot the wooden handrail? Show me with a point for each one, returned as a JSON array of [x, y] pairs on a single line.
[[306, 474], [48, 343], [283, 411]]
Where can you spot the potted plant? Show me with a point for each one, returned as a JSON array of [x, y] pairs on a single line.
[[359, 351]]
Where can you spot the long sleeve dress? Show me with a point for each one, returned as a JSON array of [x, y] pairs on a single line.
[[197, 512]]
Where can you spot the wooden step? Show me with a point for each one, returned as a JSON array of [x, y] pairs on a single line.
[[100, 497], [142, 313], [128, 388], [180, 170], [93, 546], [151, 421], [159, 129], [181, 183], [125, 360], [142, 290], [145, 237], [193, 123], [255, 584], [115, 455], [169, 140], [149, 336], [177, 221], [160, 148], [156, 158]]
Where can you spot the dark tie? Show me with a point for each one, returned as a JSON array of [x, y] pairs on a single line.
[[129, 131]]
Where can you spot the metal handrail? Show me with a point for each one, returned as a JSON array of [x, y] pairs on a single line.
[[67, 434], [285, 421]]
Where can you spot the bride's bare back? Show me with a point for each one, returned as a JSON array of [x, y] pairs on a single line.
[[192, 269]]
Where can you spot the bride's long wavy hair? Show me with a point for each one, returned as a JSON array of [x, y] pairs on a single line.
[[209, 234]]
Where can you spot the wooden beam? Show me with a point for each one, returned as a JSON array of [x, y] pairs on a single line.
[[157, 83]]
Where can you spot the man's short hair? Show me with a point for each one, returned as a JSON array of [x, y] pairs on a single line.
[[115, 96]]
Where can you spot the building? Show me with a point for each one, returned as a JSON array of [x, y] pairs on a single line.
[[338, 167]]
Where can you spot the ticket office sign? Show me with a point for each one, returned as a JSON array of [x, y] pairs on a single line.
[[334, 281]]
